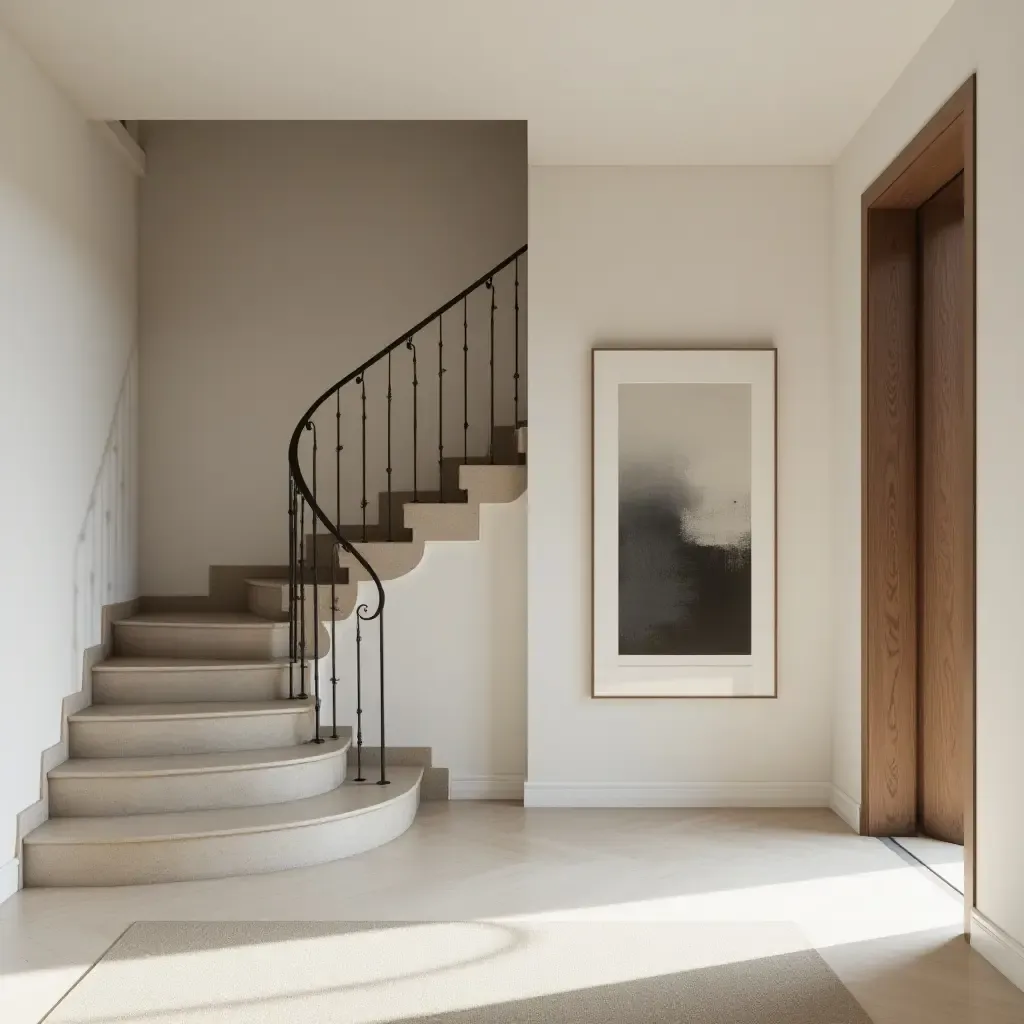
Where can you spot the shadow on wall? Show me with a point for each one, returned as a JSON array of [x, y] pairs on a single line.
[[104, 573], [106, 560]]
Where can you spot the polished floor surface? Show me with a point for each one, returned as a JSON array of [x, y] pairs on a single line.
[[888, 930], [945, 859]]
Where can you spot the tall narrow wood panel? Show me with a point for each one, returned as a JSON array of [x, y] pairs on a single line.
[[900, 642], [945, 514], [889, 803]]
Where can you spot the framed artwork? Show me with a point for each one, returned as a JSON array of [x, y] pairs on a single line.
[[684, 522]]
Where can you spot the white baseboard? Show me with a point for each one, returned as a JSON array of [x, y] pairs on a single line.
[[670, 794], [486, 787], [10, 880], [1002, 951], [846, 808]]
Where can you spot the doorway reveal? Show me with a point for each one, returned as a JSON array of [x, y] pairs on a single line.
[[918, 488]]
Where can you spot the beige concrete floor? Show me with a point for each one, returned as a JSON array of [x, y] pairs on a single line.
[[945, 859], [887, 928]]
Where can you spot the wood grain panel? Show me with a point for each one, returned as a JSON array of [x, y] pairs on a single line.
[[935, 155], [940, 160], [889, 799], [945, 515], [970, 398], [928, 161]]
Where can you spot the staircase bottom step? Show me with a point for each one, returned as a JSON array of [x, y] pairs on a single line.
[[102, 787], [184, 846]]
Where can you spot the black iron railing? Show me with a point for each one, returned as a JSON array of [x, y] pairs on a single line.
[[312, 566]]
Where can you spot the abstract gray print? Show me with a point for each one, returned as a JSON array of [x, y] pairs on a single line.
[[684, 519]]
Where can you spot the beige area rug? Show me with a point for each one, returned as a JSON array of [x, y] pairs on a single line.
[[460, 973]]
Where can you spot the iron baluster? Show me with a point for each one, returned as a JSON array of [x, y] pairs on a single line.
[[292, 606], [361, 611], [383, 780], [317, 738], [465, 381], [334, 641], [440, 408], [490, 288], [391, 535], [415, 410], [361, 380], [515, 373], [302, 600], [338, 448]]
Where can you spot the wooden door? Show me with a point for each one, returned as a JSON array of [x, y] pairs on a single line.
[[945, 514]]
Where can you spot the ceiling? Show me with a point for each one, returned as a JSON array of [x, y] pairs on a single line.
[[600, 81]]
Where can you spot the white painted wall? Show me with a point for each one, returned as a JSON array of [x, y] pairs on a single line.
[[275, 258], [67, 412], [455, 656], [692, 256], [986, 36]]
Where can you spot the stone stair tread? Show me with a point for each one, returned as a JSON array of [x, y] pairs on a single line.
[[463, 506], [368, 547], [196, 709], [283, 585], [233, 620], [191, 764], [376, 533], [131, 663], [348, 800]]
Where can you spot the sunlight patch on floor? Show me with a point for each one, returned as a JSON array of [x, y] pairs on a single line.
[[264, 971], [829, 911]]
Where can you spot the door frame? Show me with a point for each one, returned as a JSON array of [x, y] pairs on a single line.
[[942, 149]]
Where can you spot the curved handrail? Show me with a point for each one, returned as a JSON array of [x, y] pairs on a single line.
[[293, 445]]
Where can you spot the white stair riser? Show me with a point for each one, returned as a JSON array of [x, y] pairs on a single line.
[[492, 485], [134, 738], [195, 791], [270, 601], [175, 641], [453, 522], [390, 561], [172, 686], [137, 863]]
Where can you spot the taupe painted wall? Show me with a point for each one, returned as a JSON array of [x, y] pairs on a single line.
[[275, 257]]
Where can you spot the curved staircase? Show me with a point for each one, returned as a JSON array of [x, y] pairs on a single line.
[[191, 765], [206, 753]]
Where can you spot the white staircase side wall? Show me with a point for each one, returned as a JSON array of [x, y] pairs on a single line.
[[455, 655], [68, 418]]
